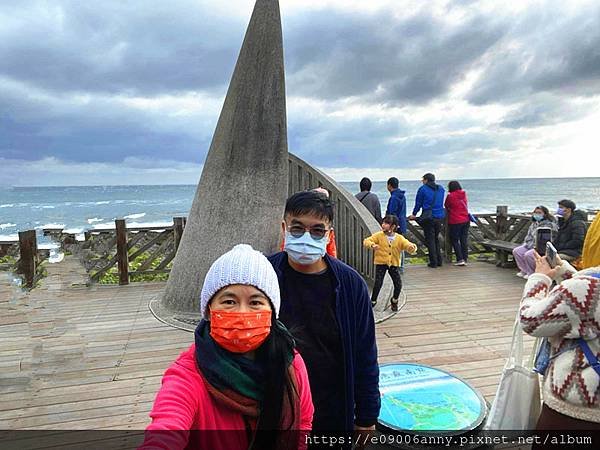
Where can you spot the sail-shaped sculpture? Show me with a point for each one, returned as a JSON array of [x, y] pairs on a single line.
[[241, 194]]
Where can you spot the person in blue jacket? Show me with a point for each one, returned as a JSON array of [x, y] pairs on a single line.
[[326, 305], [397, 206], [430, 201]]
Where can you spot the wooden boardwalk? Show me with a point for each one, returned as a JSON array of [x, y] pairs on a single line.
[[74, 357]]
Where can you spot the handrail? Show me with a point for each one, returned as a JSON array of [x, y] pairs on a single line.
[[351, 219], [352, 222]]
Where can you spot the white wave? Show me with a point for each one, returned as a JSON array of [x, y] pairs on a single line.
[[94, 220], [148, 224], [7, 225], [56, 257], [73, 230], [103, 225], [105, 202], [9, 237], [7, 205], [50, 225], [48, 246], [80, 237], [135, 216]]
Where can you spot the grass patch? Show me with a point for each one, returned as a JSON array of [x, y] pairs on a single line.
[[7, 259], [112, 275]]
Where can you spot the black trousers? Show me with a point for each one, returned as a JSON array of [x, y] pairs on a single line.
[[380, 270], [459, 233], [431, 229]]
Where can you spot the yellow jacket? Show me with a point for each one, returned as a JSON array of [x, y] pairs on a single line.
[[591, 245], [389, 253]]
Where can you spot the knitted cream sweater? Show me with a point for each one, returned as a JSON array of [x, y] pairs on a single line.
[[563, 314]]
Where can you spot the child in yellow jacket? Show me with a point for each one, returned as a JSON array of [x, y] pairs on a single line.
[[388, 246]]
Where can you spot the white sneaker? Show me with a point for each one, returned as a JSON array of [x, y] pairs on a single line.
[[526, 276], [460, 263], [521, 274]]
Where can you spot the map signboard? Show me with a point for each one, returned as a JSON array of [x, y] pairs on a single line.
[[416, 398]]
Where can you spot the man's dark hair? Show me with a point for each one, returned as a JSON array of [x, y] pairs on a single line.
[[365, 184], [309, 203], [567, 204], [393, 182], [429, 177], [392, 219], [454, 186]]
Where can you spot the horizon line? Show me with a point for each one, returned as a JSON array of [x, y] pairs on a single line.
[[349, 181]]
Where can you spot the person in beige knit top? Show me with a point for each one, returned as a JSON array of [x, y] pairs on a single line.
[[388, 246], [563, 314]]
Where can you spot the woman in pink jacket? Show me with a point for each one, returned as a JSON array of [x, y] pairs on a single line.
[[241, 385], [458, 221]]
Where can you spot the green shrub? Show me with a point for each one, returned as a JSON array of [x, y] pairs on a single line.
[[112, 275]]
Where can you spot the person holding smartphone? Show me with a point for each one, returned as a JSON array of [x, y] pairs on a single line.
[[568, 315], [524, 253]]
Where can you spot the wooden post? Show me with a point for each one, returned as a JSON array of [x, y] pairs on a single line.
[[28, 262], [122, 257], [501, 230], [178, 226]]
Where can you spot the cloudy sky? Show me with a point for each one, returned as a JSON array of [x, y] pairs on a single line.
[[114, 92]]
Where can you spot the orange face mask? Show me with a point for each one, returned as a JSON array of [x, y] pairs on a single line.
[[240, 332]]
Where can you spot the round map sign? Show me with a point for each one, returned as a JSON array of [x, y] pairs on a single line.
[[423, 399]]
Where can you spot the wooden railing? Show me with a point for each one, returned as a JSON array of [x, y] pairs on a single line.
[[124, 253], [498, 226], [352, 221], [24, 257], [134, 252]]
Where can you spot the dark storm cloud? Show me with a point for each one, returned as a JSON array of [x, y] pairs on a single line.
[[52, 52], [370, 143], [544, 110], [95, 131], [143, 48], [544, 53], [381, 58]]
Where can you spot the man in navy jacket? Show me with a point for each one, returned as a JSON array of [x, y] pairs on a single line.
[[397, 206], [326, 306], [430, 200]]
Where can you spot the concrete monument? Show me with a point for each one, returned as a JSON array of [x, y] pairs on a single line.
[[242, 191]]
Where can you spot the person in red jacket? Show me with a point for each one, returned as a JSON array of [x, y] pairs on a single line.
[[458, 221], [241, 385]]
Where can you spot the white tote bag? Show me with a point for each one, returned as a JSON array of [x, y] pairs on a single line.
[[517, 404]]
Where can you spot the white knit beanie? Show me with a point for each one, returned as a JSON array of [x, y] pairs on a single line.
[[240, 265]]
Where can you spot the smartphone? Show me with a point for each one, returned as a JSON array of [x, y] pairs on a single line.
[[543, 235], [551, 254]]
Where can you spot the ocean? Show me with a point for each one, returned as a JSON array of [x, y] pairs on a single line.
[[79, 208]]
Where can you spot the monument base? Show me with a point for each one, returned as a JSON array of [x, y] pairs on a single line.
[[187, 321]]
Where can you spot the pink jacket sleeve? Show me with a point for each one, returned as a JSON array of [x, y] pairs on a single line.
[[307, 409], [174, 408]]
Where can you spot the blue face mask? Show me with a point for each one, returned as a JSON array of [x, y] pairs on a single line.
[[304, 249], [538, 217], [560, 212]]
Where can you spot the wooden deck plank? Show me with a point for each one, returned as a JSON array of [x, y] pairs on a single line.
[[93, 358]]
